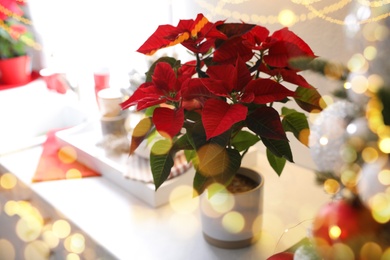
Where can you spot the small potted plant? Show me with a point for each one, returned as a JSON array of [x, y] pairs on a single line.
[[16, 40], [219, 104]]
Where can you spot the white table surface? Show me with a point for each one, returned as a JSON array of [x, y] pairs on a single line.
[[130, 229]]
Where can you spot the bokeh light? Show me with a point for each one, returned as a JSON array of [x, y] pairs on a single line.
[[7, 250], [8, 181], [75, 243], [61, 228], [334, 232], [371, 250], [342, 251], [331, 186], [287, 17], [370, 52], [384, 176], [357, 63], [72, 256], [187, 203], [359, 84], [233, 222], [162, 147], [212, 159], [370, 154], [50, 238], [67, 154], [380, 207], [28, 228], [73, 174], [36, 250]]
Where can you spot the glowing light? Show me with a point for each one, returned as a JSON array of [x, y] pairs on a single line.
[[357, 63], [75, 243], [11, 207], [326, 100], [324, 140], [349, 177], [28, 228], [162, 147], [370, 52], [73, 174], [380, 207], [359, 84], [212, 160], [384, 145], [334, 232], [61, 228], [331, 186], [371, 250], [8, 181], [67, 154], [287, 17], [7, 250], [186, 203], [50, 239], [143, 127], [386, 254], [384, 176], [233, 222], [375, 82], [369, 154], [304, 135], [347, 85], [343, 251], [348, 154], [220, 202], [36, 250], [72, 256], [351, 128]]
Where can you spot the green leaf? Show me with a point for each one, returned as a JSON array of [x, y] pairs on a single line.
[[140, 132], [265, 122], [296, 123], [161, 162], [216, 165], [280, 148], [197, 135], [309, 99], [277, 163], [182, 143], [243, 140]]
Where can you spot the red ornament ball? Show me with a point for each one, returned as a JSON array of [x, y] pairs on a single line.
[[282, 256], [343, 222]]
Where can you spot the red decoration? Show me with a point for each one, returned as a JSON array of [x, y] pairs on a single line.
[[282, 256], [15, 71], [51, 167], [342, 221]]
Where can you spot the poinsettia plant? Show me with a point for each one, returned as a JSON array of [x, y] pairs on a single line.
[[15, 35], [220, 103]]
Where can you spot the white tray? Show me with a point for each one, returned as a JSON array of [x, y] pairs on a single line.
[[84, 138]]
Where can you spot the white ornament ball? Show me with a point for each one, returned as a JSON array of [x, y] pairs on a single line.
[[374, 181], [328, 135]]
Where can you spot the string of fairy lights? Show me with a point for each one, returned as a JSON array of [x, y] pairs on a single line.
[[287, 17]]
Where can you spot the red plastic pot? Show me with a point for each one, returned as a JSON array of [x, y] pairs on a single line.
[[15, 70]]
